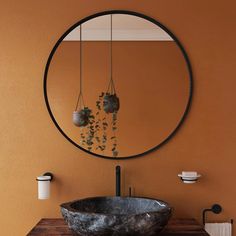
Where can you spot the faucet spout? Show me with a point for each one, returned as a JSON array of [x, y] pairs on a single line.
[[118, 181]]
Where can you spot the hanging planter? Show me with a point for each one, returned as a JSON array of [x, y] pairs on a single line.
[[81, 118], [111, 103], [82, 114]]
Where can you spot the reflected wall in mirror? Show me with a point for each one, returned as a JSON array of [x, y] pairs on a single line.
[[138, 58]]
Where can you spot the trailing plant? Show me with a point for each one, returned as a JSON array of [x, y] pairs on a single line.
[[101, 126], [114, 138], [87, 133]]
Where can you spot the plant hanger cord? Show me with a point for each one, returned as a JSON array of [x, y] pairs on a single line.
[[80, 99], [111, 85]]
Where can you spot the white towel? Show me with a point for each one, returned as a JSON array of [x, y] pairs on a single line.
[[219, 229]]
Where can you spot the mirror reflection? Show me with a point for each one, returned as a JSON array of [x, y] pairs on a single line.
[[118, 85]]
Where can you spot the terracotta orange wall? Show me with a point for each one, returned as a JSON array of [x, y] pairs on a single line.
[[30, 144]]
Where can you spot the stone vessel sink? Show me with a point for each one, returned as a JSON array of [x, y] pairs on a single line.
[[116, 216]]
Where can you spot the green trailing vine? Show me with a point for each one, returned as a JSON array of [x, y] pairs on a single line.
[[95, 134], [87, 132], [100, 125], [114, 138]]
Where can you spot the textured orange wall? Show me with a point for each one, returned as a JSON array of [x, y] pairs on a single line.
[[30, 144]]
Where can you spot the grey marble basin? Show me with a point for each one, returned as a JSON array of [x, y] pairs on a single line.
[[116, 216]]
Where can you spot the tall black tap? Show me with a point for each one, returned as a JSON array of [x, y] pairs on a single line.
[[118, 181]]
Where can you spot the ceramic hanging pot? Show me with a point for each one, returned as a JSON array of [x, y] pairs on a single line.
[[81, 118], [111, 103]]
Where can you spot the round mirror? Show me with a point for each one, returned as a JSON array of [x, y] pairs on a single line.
[[118, 84]]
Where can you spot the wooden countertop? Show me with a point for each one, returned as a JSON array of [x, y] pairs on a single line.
[[175, 227]]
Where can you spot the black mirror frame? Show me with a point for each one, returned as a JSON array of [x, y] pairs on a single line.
[[144, 17]]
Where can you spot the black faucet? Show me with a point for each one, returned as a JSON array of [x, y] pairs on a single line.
[[118, 181]]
